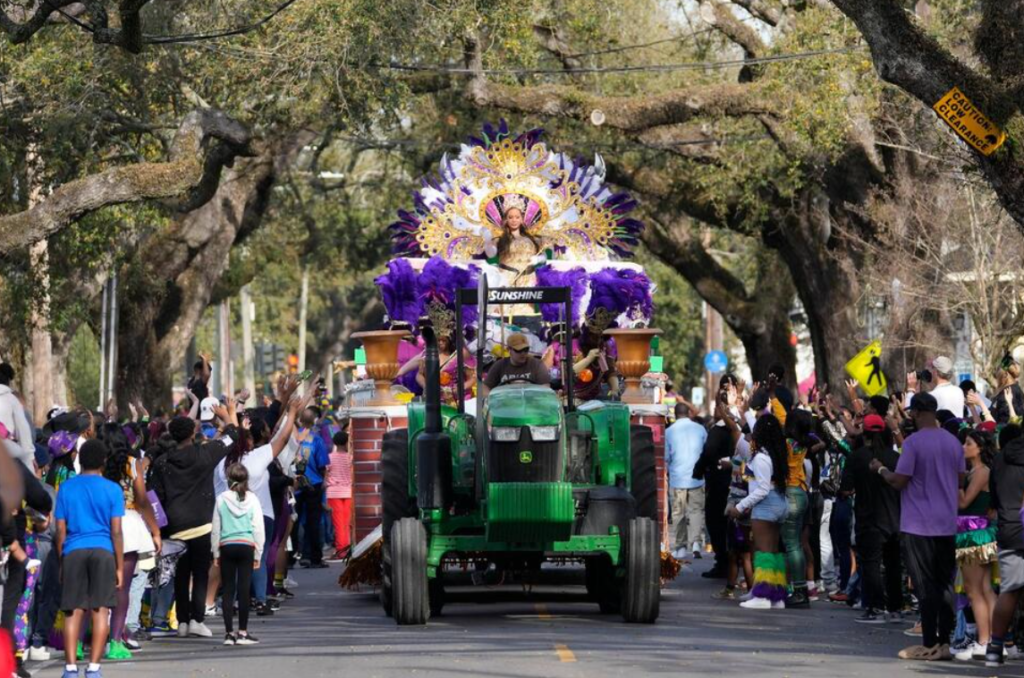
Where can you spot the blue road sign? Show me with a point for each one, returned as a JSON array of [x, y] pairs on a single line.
[[716, 361]]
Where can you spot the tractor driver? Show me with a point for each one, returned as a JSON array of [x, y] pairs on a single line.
[[518, 367]]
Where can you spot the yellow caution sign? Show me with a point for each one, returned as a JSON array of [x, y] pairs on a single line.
[[866, 368], [969, 123]]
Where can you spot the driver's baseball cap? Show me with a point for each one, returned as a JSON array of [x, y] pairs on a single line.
[[518, 342]]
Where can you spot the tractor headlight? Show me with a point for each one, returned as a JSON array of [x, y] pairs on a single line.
[[505, 434], [544, 434]]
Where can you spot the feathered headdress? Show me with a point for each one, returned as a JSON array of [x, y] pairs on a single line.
[[442, 318], [620, 291], [562, 199], [399, 292]]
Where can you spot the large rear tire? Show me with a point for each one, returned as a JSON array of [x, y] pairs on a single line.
[[641, 589], [410, 588], [644, 481], [397, 504]]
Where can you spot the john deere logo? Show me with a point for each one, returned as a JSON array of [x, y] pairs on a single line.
[[525, 457]]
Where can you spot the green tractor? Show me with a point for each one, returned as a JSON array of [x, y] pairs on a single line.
[[527, 481]]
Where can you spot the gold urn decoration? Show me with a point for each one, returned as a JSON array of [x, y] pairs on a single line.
[[634, 359], [382, 361]]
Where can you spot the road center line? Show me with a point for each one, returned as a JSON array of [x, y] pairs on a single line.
[[564, 653], [542, 611]]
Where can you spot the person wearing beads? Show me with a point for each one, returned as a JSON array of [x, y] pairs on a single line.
[[976, 548], [766, 504]]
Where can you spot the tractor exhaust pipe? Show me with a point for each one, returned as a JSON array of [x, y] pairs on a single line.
[[432, 392], [433, 444]]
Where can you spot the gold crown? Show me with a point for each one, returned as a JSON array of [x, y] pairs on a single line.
[[599, 320], [513, 201], [442, 319]]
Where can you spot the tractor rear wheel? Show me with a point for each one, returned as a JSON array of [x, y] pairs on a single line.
[[644, 477], [410, 588], [397, 504], [641, 590], [602, 586]]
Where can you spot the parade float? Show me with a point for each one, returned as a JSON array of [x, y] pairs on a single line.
[[506, 213]]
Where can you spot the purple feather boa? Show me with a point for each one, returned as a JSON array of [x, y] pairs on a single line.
[[406, 293], [441, 281], [620, 291], [398, 290], [574, 278]]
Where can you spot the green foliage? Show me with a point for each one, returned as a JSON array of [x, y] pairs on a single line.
[[84, 369]]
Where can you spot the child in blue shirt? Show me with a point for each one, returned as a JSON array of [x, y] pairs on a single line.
[[91, 548]]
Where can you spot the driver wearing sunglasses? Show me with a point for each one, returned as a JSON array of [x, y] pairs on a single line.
[[518, 367]]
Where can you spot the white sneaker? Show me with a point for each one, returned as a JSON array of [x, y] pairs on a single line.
[[971, 652], [290, 583], [38, 654], [779, 605], [183, 629], [211, 611], [746, 596], [679, 554], [757, 604], [199, 629]]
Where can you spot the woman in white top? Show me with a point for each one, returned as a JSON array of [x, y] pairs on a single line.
[[768, 472], [266, 447]]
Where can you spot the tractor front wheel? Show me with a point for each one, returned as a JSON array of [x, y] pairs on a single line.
[[410, 599], [641, 589]]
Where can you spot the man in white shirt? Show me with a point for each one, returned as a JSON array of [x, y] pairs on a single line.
[[948, 395]]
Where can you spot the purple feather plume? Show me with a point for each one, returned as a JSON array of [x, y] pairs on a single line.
[[441, 281], [574, 278], [620, 291], [399, 291]]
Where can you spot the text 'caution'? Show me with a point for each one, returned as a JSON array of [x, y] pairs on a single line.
[[969, 123]]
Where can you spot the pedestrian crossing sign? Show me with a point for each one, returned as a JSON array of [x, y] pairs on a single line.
[[866, 368]]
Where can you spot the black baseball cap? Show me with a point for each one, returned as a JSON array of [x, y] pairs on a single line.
[[924, 402]]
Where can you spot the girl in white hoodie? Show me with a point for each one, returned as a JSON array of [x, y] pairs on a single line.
[[237, 539]]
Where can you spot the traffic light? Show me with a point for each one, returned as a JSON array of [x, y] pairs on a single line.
[[269, 359], [293, 363]]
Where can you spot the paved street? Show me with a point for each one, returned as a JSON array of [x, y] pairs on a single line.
[[325, 631]]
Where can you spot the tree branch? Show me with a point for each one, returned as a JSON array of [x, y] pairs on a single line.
[[553, 41], [24, 23], [761, 10], [907, 57], [628, 114], [720, 16], [672, 240], [206, 141]]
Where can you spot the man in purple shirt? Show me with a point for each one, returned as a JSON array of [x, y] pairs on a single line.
[[928, 475]]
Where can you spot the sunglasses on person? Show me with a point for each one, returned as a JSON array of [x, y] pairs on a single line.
[[521, 350]]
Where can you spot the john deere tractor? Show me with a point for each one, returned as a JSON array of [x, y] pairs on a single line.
[[526, 481]]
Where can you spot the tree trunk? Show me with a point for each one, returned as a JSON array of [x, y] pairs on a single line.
[[766, 339], [167, 290]]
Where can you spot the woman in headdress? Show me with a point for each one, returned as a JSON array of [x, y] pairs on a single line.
[[593, 358], [517, 250], [442, 319]]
